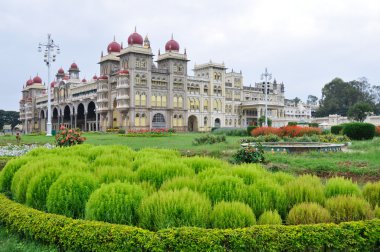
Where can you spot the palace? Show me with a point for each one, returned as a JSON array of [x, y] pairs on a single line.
[[135, 92]]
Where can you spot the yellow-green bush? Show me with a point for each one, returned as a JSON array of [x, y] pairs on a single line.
[[341, 186], [305, 188], [82, 235], [199, 164], [39, 186], [174, 209], [377, 212], [178, 183], [349, 208], [223, 188], [69, 194], [250, 173], [270, 218], [371, 193], [6, 175], [308, 213], [109, 174], [232, 215], [115, 203]]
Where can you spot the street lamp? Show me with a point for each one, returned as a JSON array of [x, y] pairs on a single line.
[[49, 57], [267, 76]]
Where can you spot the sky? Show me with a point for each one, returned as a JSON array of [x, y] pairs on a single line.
[[303, 43]]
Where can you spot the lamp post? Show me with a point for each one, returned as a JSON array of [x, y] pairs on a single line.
[[267, 76], [49, 57]]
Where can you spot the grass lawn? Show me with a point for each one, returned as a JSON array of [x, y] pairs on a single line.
[[12, 243]]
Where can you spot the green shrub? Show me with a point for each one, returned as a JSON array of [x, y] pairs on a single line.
[[337, 129], [305, 188], [308, 213], [6, 175], [283, 178], [349, 208], [341, 186], [69, 194], [250, 129], [223, 188], [292, 123], [270, 218], [158, 172], [199, 164], [371, 192], [232, 215], [39, 186], [315, 125], [249, 154], [359, 131], [330, 138], [250, 173], [83, 235], [230, 131], [110, 174], [209, 139], [174, 209], [377, 212], [179, 183], [115, 203]]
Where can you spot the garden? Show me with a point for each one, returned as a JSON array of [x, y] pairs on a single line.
[[175, 193]]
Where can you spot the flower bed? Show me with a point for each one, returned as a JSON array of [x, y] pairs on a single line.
[[149, 133], [11, 150], [286, 131]]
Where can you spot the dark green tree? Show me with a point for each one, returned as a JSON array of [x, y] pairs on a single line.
[[9, 117], [262, 121], [359, 111], [312, 100], [338, 96]]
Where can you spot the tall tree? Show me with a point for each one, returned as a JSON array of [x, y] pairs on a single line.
[[338, 96], [359, 111], [9, 117], [312, 100]]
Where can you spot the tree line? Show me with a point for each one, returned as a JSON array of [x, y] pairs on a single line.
[[9, 117]]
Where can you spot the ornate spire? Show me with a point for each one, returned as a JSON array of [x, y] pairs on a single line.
[[101, 55], [185, 51]]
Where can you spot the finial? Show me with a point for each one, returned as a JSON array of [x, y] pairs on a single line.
[[135, 29], [232, 70], [185, 51], [114, 38], [159, 53], [101, 54], [121, 45], [240, 71], [172, 36]]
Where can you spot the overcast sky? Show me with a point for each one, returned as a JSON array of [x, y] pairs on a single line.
[[304, 43]]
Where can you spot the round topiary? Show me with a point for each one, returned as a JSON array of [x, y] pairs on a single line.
[[69, 194], [305, 188], [110, 174], [232, 215], [157, 172], [349, 208], [308, 213], [359, 131], [371, 192], [179, 183], [337, 129], [174, 209], [341, 186], [270, 218], [116, 203], [377, 212], [223, 188], [39, 186], [199, 164], [9, 170]]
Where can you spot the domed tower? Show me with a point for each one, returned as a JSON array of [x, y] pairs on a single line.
[[109, 63], [74, 71], [60, 74]]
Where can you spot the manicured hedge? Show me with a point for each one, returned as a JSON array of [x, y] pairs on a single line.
[[359, 131], [337, 129], [81, 235]]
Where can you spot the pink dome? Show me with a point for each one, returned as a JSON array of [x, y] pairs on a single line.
[[103, 77], [61, 71], [29, 82], [95, 77], [172, 45], [84, 80], [52, 85], [37, 79], [135, 38], [74, 66], [113, 47], [124, 71]]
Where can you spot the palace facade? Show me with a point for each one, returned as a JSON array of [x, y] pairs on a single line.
[[135, 92]]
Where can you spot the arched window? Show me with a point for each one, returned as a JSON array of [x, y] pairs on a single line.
[[205, 121], [158, 121], [153, 101], [180, 120], [196, 104], [137, 99], [137, 120], [175, 102], [143, 99], [175, 120], [180, 102], [205, 105], [163, 100], [230, 121], [137, 78], [159, 104], [143, 120]]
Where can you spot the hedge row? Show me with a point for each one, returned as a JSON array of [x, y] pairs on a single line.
[[81, 235]]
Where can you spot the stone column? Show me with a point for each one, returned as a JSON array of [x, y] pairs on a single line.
[[85, 121], [75, 121], [96, 121], [71, 121]]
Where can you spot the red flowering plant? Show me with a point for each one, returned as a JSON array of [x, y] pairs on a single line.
[[148, 133], [264, 131], [68, 137]]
